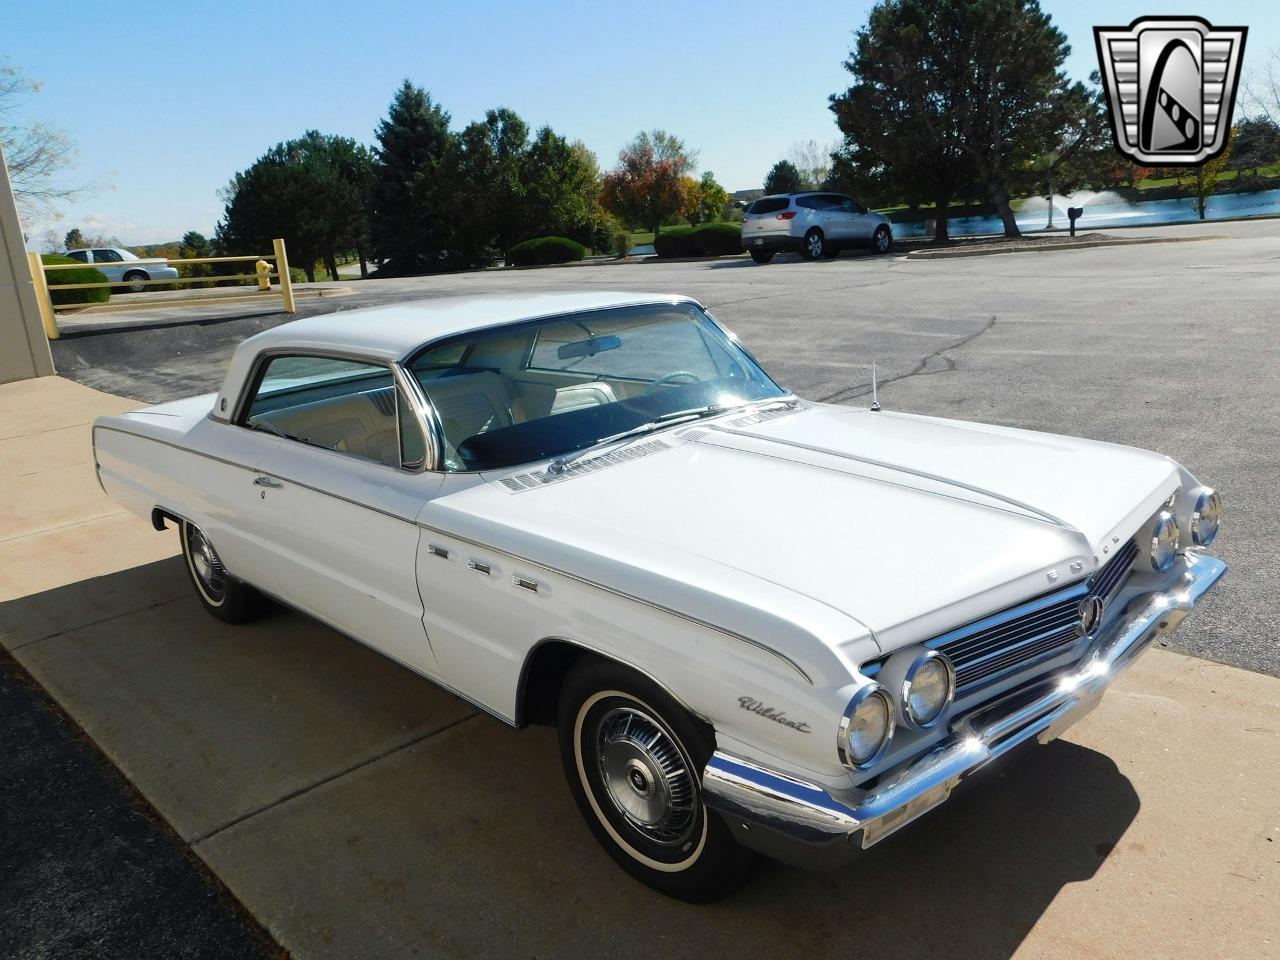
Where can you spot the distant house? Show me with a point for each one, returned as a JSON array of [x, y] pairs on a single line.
[[746, 196]]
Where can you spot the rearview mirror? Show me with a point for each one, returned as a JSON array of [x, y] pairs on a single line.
[[588, 348]]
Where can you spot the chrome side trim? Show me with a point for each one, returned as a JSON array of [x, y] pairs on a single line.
[[813, 820]]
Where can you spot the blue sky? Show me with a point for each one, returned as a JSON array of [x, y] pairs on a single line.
[[166, 101]]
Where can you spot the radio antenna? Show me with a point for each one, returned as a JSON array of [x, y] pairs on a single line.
[[875, 397]]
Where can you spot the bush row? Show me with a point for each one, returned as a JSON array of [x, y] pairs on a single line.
[[704, 240], [541, 250], [87, 274]]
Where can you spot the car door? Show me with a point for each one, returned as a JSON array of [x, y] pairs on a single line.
[[836, 223], [110, 263], [861, 222], [336, 502]]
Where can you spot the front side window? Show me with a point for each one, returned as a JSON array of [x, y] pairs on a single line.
[[81, 255], [346, 406], [106, 256], [545, 388]]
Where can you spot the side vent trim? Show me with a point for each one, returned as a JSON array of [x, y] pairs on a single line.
[[534, 479]]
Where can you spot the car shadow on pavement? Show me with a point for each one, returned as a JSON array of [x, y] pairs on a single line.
[[463, 831]]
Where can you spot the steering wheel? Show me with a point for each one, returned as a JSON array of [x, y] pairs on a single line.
[[673, 377]]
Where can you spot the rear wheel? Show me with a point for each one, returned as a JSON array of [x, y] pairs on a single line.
[[227, 598], [881, 240], [136, 280], [761, 256], [815, 244], [633, 759]]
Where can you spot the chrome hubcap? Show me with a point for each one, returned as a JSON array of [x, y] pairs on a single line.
[[206, 564], [815, 245], [646, 776], [882, 241]]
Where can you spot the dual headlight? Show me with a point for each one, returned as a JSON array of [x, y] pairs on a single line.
[[925, 683], [1206, 515]]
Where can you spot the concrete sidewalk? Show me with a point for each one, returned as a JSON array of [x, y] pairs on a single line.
[[358, 811]]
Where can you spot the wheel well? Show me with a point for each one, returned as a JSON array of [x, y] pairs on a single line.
[[543, 676], [538, 696], [140, 274], [159, 515]]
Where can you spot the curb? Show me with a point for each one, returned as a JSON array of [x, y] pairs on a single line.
[[1054, 248]]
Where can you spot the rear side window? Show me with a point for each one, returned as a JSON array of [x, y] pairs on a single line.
[[770, 205], [81, 255], [341, 405]]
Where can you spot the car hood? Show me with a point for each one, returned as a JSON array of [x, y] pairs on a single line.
[[908, 525]]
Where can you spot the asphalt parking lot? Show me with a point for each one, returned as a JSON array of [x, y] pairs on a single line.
[[1171, 347]]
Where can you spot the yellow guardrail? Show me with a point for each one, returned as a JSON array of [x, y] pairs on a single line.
[[263, 274]]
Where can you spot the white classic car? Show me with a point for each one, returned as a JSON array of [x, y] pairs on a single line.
[[760, 624]]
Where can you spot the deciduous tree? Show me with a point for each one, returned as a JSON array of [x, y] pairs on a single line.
[[813, 161], [36, 153], [712, 198], [647, 187], [311, 191], [964, 85], [1206, 176]]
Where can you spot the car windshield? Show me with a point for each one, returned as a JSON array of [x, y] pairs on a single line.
[[126, 255], [547, 388]]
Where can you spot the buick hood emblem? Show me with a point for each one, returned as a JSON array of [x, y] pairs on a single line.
[[1171, 87], [1090, 612]]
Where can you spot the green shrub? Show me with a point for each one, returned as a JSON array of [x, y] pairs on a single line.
[[704, 240], [541, 250], [86, 274], [621, 244], [674, 242], [717, 239]]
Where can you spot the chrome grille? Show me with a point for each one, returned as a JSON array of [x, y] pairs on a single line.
[[1037, 630], [1108, 580]]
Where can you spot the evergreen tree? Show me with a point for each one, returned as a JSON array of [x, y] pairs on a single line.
[[783, 178], [415, 204]]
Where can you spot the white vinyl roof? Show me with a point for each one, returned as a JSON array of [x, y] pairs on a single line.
[[394, 332]]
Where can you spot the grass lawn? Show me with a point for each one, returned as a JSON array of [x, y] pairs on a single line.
[[1269, 171]]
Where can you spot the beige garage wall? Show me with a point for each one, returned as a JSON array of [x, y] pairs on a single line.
[[24, 350]]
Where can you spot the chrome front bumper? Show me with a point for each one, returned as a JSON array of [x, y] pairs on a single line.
[[810, 826]]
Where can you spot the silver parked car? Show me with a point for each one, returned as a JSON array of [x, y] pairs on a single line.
[[124, 267], [812, 224]]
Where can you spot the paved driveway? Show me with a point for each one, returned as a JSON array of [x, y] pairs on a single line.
[[358, 811]]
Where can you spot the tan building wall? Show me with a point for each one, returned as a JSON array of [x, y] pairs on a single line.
[[24, 349]]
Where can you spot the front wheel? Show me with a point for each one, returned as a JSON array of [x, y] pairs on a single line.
[[225, 597], [136, 281], [632, 757], [761, 256], [881, 240]]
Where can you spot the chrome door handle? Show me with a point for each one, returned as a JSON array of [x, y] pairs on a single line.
[[272, 482]]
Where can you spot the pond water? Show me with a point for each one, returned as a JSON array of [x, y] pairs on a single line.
[[1108, 209]]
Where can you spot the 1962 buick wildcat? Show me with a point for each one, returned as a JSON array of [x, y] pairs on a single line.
[[760, 624]]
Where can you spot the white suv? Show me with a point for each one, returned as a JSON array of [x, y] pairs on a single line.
[[814, 224]]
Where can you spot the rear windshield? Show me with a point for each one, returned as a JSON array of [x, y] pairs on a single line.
[[770, 205]]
